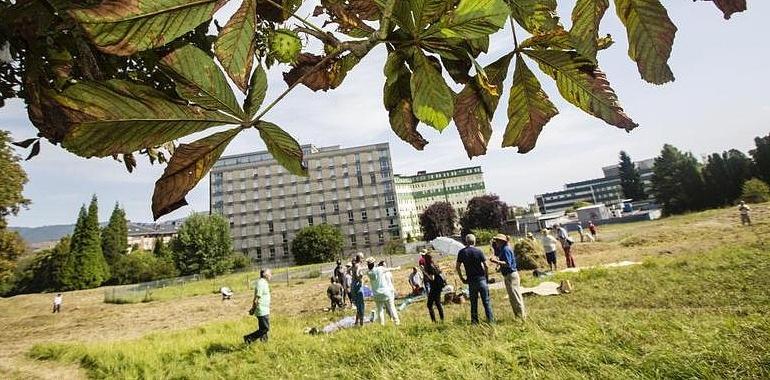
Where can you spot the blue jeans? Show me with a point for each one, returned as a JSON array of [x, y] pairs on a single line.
[[357, 295], [478, 286]]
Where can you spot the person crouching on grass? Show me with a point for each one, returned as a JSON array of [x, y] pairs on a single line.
[[261, 307], [503, 256]]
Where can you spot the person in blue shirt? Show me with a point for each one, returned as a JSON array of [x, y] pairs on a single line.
[[475, 264], [505, 258]]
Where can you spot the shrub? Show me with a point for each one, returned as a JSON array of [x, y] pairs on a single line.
[[240, 261], [755, 191], [317, 244], [141, 266], [529, 255], [483, 236]]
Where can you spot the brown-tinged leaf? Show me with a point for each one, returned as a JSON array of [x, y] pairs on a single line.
[[586, 16], [25, 143], [35, 150], [266, 10], [116, 116], [728, 7], [346, 18], [130, 161], [535, 16], [582, 84], [284, 148], [124, 27], [529, 109], [650, 37], [236, 44], [327, 76], [397, 97], [364, 9], [475, 106], [188, 165]]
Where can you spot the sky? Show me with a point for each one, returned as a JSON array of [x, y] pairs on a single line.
[[719, 101]]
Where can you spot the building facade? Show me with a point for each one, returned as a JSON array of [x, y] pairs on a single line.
[[605, 190], [415, 193], [351, 189]]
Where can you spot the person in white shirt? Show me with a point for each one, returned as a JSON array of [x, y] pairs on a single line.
[[549, 246], [415, 281], [383, 292], [745, 211], [57, 303]]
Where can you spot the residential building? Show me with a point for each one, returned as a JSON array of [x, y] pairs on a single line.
[[144, 235], [350, 188], [605, 190], [415, 193]]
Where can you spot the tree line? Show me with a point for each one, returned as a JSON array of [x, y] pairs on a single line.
[[93, 256]]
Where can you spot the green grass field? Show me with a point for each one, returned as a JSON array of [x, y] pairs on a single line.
[[697, 307]]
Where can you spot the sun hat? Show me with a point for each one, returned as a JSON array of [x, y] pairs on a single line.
[[370, 260], [501, 237]]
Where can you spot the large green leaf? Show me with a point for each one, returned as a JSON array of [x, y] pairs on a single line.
[[236, 43], [127, 26], [426, 12], [257, 91], [284, 148], [586, 17], [397, 97], [535, 16], [188, 165], [199, 80], [650, 37], [471, 19], [475, 106], [433, 99], [116, 116], [529, 109], [582, 84]]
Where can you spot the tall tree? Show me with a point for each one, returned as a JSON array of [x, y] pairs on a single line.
[[11, 247], [91, 269], [12, 182], [161, 250], [438, 220], [761, 157], [484, 212], [724, 175], [115, 236], [44, 271], [630, 179], [677, 183], [203, 245]]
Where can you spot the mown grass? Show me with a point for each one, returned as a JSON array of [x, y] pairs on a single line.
[[693, 315]]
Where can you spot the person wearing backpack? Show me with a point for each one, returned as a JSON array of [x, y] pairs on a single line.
[[505, 258], [432, 275]]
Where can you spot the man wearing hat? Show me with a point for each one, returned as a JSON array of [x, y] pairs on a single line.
[[507, 261]]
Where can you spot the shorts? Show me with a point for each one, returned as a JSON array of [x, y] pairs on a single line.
[[551, 257]]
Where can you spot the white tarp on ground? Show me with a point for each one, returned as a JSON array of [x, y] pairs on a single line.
[[447, 246], [543, 289]]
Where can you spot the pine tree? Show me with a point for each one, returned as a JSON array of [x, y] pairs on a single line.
[[630, 179], [724, 175], [677, 183], [115, 236], [91, 268], [761, 157]]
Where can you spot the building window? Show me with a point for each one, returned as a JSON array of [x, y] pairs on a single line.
[[272, 253], [363, 215], [336, 206], [350, 216], [366, 239], [360, 180], [353, 240], [258, 253], [380, 237], [310, 220], [372, 177], [270, 227]]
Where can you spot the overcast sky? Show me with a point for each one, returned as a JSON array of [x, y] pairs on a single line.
[[718, 101]]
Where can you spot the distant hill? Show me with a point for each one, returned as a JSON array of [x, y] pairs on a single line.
[[33, 235]]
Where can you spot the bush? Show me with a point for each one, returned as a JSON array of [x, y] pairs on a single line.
[[529, 255], [394, 247], [755, 191], [317, 244], [240, 261], [141, 266], [483, 236], [203, 245]]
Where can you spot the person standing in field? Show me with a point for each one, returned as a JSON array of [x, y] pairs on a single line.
[[391, 289], [549, 246], [745, 211], [348, 283], [504, 257], [432, 274], [592, 230], [261, 306], [580, 231], [475, 264], [357, 287], [382, 292], [57, 300], [335, 293], [339, 277], [566, 244]]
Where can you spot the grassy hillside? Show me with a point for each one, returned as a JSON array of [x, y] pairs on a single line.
[[697, 308]]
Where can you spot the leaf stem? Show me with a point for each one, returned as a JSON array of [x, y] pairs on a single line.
[[513, 30], [302, 20]]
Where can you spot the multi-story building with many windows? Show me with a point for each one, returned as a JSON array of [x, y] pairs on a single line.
[[351, 189], [415, 193], [605, 190]]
